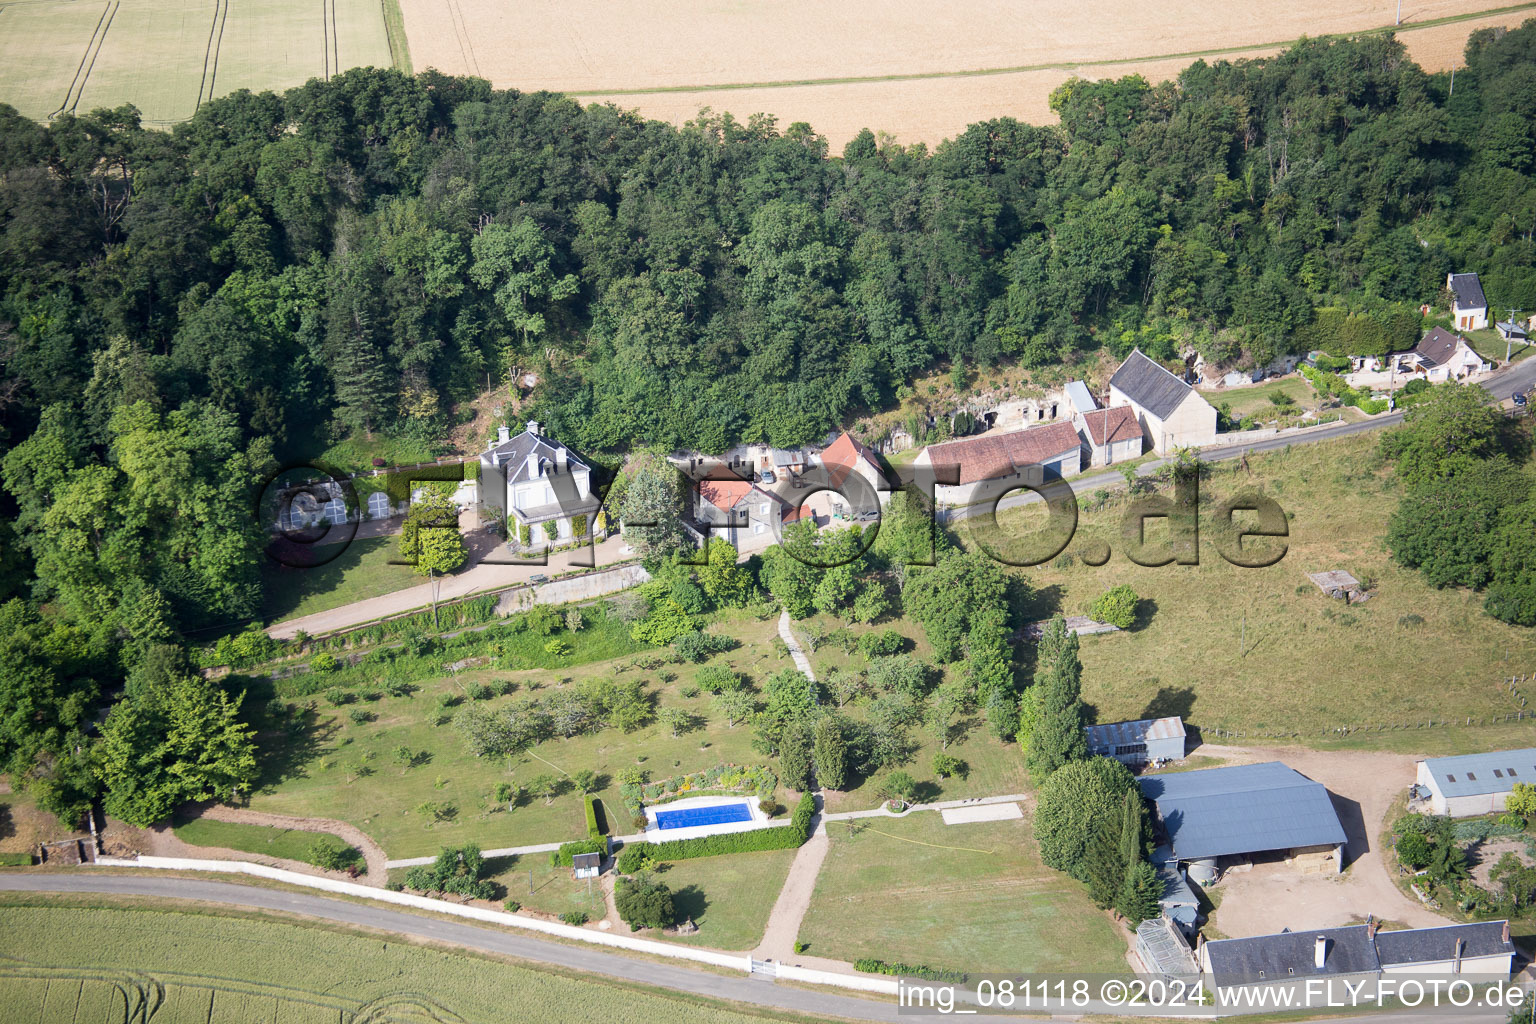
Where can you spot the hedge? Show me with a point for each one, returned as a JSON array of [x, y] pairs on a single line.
[[873, 966], [15, 860], [562, 857], [780, 837], [597, 827]]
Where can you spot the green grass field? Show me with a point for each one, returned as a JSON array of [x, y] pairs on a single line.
[[315, 776], [1263, 650], [292, 844], [1255, 400], [911, 895], [70, 964], [168, 56], [729, 898], [362, 570]]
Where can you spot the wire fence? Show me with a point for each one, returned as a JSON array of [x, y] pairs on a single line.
[[1511, 685]]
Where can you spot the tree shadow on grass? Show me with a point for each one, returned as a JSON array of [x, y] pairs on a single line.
[[1146, 608], [1170, 702], [1040, 603], [7, 824], [689, 904], [287, 751]]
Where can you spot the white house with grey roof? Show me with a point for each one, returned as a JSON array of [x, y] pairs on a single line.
[[1171, 413], [1241, 811], [1482, 950], [1469, 309], [533, 480], [1470, 784]]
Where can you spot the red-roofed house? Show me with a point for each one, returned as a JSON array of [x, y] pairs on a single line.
[[995, 463], [738, 510], [847, 456], [1113, 435]]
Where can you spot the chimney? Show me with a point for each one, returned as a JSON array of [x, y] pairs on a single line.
[[1320, 955], [503, 435], [1505, 936], [1370, 926], [533, 427], [1456, 960], [560, 454]]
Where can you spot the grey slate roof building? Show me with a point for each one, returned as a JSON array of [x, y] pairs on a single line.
[[1285, 956], [1149, 385], [1360, 950], [1150, 739], [509, 467], [1467, 290], [1419, 947], [1242, 809]]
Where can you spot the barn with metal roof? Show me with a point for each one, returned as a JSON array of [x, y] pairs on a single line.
[[1246, 810], [1151, 739], [1469, 784]]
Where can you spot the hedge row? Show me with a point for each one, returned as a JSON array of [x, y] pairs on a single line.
[[15, 860], [596, 828], [562, 857], [872, 966], [783, 837]]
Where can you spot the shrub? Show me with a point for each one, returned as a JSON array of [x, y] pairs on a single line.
[[336, 697], [801, 947], [559, 647], [325, 661], [360, 716], [330, 854], [511, 906], [718, 679], [597, 825], [644, 902], [881, 644], [15, 860], [480, 691], [634, 859], [576, 918], [562, 857], [698, 645], [1413, 849], [1116, 606], [947, 765], [873, 966]]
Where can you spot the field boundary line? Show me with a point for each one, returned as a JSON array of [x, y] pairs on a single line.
[[1058, 65], [87, 59], [885, 986]]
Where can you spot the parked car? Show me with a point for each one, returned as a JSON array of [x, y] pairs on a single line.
[[1520, 401], [538, 577], [767, 477]]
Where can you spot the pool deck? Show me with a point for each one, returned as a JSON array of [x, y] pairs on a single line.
[[656, 834]]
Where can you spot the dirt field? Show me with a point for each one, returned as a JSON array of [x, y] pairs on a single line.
[[168, 56], [918, 72]]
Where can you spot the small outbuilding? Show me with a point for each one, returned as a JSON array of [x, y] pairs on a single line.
[[1470, 784], [1337, 583], [586, 865], [1137, 743], [1162, 948]]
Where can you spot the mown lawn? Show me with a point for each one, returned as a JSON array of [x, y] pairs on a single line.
[[1263, 650], [900, 890], [66, 959], [292, 844], [1255, 400], [316, 774], [728, 897], [360, 570]]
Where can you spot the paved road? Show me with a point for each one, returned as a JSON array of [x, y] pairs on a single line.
[[1501, 385], [764, 994]]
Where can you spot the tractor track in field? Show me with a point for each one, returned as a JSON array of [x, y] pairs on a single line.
[[88, 59]]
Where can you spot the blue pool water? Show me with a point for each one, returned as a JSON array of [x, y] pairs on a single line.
[[690, 816]]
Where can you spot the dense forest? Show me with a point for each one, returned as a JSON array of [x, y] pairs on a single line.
[[181, 311]]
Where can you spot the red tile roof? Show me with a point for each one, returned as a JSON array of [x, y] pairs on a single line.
[[997, 455], [843, 455], [725, 493], [1111, 426]]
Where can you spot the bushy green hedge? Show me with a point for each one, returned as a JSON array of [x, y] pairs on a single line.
[[781, 837], [872, 966], [597, 827], [562, 857], [15, 860]]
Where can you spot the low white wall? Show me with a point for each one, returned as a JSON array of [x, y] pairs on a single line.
[[573, 588], [886, 986]]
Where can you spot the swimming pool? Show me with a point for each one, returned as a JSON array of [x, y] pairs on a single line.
[[687, 817]]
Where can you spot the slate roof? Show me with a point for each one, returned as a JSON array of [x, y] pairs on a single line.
[[1511, 330], [513, 455], [1437, 346], [1111, 426], [1149, 385], [1246, 808], [1434, 945], [587, 860], [1107, 736], [1080, 397], [999, 455], [1481, 774], [1467, 290], [1287, 955]]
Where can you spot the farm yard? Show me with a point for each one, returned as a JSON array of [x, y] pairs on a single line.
[[166, 57], [919, 73], [68, 963]]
